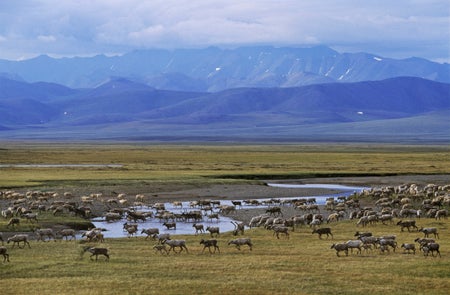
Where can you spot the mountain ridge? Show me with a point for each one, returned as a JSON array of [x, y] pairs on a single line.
[[213, 69]]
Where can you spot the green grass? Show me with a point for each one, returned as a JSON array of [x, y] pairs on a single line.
[[213, 163], [301, 265]]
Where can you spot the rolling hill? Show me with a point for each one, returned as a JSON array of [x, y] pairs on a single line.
[[398, 109]]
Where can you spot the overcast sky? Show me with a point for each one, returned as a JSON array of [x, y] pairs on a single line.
[[389, 28]]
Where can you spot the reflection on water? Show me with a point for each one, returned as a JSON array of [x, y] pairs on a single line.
[[115, 229]]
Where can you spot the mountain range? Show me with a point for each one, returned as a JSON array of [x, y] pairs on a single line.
[[400, 109], [213, 69]]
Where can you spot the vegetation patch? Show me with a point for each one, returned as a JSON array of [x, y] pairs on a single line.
[[47, 219]]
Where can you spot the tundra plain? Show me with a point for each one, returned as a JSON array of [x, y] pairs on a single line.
[[302, 264]]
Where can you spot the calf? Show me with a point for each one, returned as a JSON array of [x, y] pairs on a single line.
[[408, 224], [4, 252], [160, 248], [13, 222], [277, 230], [323, 231], [213, 230], [409, 247], [274, 211], [41, 234], [176, 243], [208, 244], [198, 228], [96, 251], [170, 225], [339, 248], [66, 233], [431, 248], [240, 242]]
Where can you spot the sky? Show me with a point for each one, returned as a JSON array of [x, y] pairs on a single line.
[[60, 28]]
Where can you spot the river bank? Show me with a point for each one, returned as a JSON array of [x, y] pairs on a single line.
[[167, 193]]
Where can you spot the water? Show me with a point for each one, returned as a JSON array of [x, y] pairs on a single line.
[[115, 229], [318, 185]]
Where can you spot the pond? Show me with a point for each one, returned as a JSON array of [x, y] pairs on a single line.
[[115, 229]]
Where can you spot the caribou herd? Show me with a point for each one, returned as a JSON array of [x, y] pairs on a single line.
[[402, 206]]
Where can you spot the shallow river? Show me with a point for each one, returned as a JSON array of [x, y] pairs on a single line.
[[115, 229]]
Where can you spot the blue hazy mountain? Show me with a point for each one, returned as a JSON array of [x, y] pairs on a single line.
[[213, 69]]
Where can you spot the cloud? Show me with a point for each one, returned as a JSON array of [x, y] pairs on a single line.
[[101, 26], [46, 38]]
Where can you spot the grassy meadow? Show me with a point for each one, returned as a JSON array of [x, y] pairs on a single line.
[[303, 264], [212, 163]]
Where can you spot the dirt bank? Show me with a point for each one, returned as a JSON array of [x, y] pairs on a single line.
[[243, 191]]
